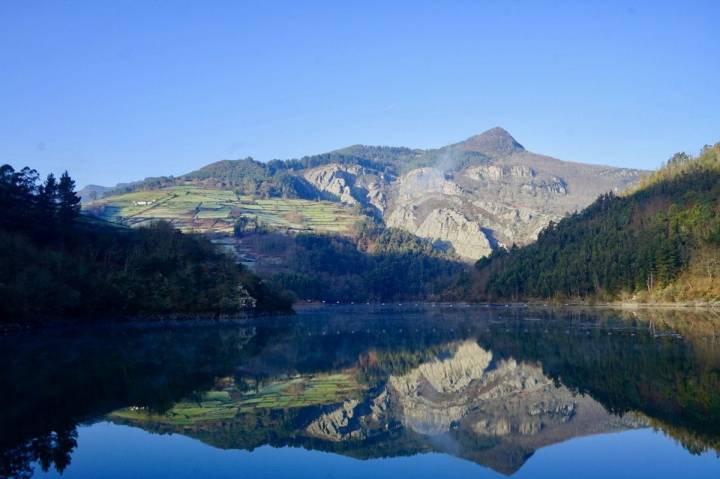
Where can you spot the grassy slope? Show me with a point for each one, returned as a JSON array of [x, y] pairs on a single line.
[[224, 403], [205, 210]]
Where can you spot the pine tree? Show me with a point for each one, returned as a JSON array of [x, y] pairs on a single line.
[[49, 193], [46, 201], [68, 200]]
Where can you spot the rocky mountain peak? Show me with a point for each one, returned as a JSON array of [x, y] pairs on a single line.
[[493, 143]]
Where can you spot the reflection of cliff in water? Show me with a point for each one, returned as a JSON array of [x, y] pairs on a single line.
[[467, 404], [460, 402], [370, 382]]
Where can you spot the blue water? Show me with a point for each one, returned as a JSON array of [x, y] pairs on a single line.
[[121, 452], [423, 392]]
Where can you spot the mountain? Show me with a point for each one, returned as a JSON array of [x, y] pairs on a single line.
[[93, 192], [474, 196], [488, 191], [659, 241]]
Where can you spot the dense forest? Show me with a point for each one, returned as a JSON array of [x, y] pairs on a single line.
[[56, 262], [377, 264], [660, 241]]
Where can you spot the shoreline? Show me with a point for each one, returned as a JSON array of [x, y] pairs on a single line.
[[194, 320], [177, 319], [501, 304], [630, 305]]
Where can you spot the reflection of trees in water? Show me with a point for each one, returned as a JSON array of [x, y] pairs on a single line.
[[49, 449], [57, 381], [663, 364], [52, 383]]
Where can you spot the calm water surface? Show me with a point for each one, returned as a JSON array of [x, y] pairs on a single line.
[[369, 391]]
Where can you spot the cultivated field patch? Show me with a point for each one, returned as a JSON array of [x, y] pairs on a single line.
[[204, 210]]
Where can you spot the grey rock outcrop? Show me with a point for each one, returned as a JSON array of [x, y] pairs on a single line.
[[350, 184], [467, 237], [333, 425], [488, 191]]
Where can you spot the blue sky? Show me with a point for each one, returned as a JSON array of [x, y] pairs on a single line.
[[119, 90]]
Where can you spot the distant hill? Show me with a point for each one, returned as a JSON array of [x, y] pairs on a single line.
[[660, 241], [93, 192], [474, 196]]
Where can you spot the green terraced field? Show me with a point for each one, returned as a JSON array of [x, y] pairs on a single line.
[[204, 210], [297, 392], [300, 392], [213, 406]]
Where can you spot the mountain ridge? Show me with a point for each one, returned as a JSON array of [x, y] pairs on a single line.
[[475, 195], [476, 143]]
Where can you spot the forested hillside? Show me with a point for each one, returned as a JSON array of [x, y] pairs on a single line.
[[56, 262], [377, 264], [660, 241]]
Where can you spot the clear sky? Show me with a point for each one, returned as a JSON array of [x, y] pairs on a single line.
[[119, 90]]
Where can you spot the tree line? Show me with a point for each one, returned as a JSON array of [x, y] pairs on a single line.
[[54, 261], [43, 209]]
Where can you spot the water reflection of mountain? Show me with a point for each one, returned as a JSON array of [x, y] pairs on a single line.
[[461, 402], [488, 385]]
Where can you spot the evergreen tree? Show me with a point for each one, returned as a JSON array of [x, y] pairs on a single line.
[[49, 193], [50, 188], [69, 201]]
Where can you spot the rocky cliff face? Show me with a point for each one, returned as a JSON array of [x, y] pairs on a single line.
[[334, 425], [485, 192], [350, 184]]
